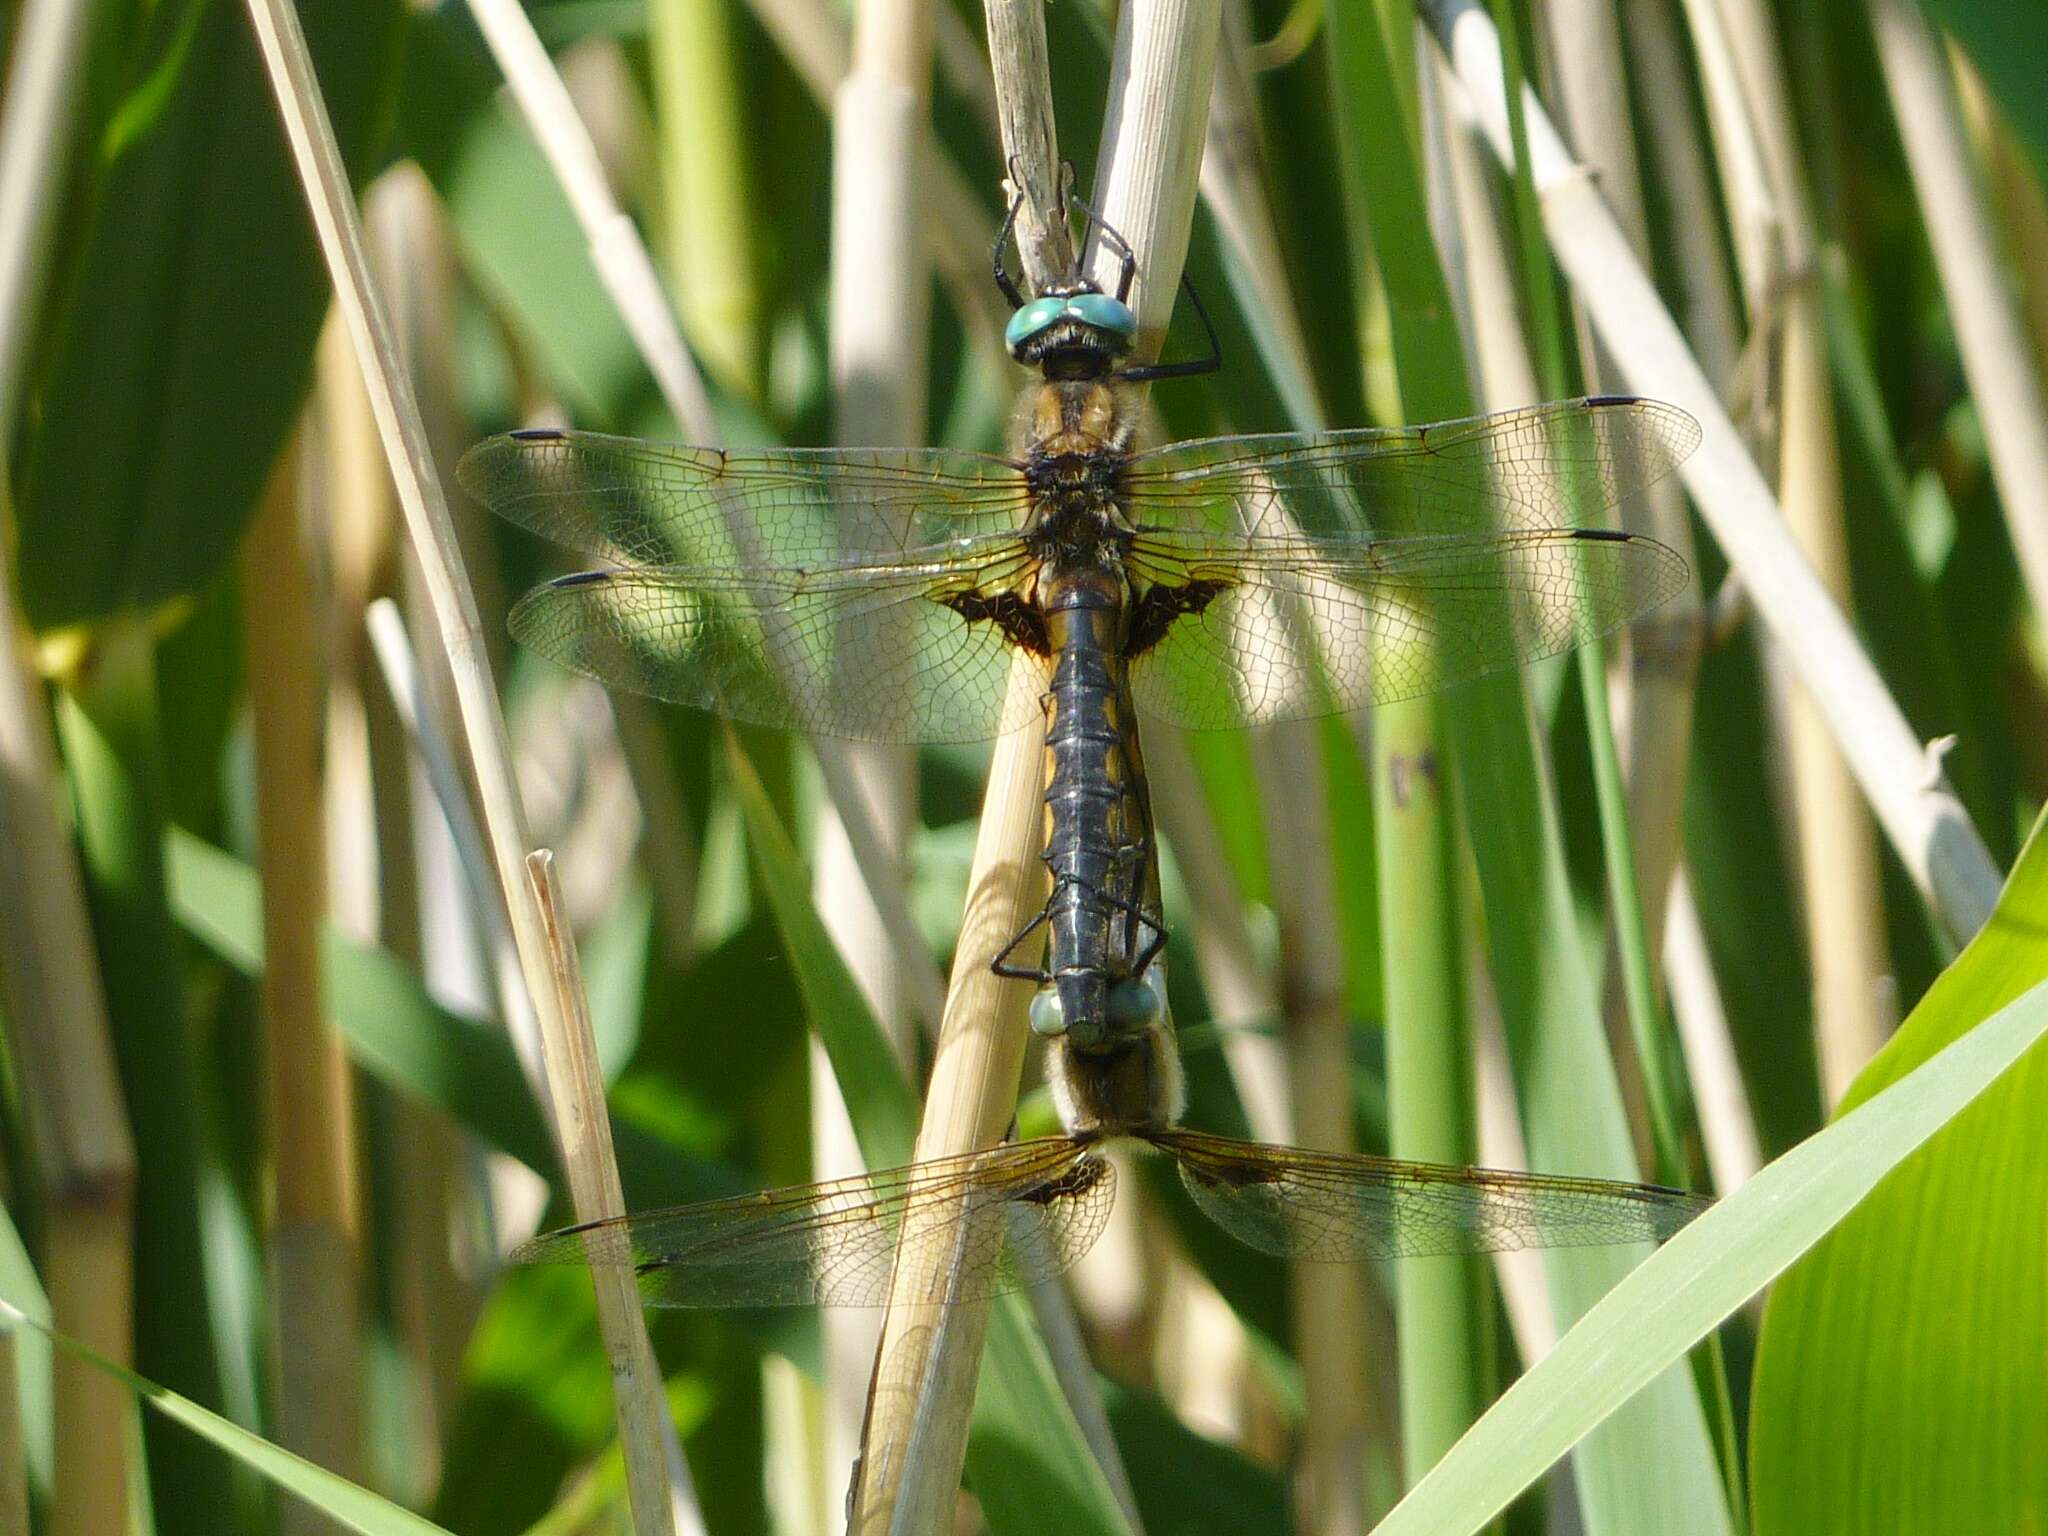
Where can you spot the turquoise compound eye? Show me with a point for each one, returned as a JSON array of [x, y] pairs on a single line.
[[1030, 320], [1134, 1004], [1104, 313], [1048, 1014]]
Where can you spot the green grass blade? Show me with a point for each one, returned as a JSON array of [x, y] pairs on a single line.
[[1679, 1295], [1918, 1332], [352, 1507]]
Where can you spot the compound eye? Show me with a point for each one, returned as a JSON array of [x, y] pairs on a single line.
[[1104, 313], [1133, 1006], [1048, 1014], [1030, 320]]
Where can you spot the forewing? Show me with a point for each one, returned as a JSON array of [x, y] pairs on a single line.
[[632, 502], [1329, 1205], [801, 589], [1559, 465], [976, 1224], [1348, 568]]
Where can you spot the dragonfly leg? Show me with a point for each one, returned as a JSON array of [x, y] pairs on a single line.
[[1192, 367], [1117, 243], [1001, 964], [1004, 281]]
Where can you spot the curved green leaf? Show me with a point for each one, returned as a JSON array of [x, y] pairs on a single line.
[[1918, 1332]]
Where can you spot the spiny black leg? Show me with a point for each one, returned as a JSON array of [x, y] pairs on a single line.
[[1001, 966], [1003, 279], [1194, 366], [1117, 243]]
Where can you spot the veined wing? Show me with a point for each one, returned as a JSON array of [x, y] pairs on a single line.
[[631, 502], [1322, 573], [976, 1224], [805, 589], [1342, 1206], [866, 652]]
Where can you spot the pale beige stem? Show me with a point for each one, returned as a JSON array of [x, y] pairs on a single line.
[[49, 976], [315, 1225], [880, 319], [582, 1123], [644, 1425], [70, 1092], [926, 1365], [1734, 1151], [38, 112], [1843, 902], [1329, 1300], [1939, 848], [2004, 380]]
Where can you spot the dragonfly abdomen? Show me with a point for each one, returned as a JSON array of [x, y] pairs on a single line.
[[1098, 833]]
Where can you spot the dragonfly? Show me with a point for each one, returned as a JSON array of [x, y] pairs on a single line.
[[942, 595], [1021, 1213]]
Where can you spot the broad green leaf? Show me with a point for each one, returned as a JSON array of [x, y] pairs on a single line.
[[1918, 1332], [183, 332], [2006, 41], [1645, 1325]]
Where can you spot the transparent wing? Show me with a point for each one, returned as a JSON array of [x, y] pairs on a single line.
[[805, 590], [1321, 573], [978, 1224], [1330, 1205], [632, 502]]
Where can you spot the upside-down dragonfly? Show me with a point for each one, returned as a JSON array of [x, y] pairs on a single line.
[[935, 595], [980, 1223]]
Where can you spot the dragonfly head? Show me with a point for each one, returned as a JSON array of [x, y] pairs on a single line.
[[1071, 331]]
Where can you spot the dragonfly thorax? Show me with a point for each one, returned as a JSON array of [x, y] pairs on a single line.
[[1133, 1087]]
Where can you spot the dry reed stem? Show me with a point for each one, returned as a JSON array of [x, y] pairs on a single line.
[[1657, 62], [49, 974], [315, 1224], [594, 1187], [880, 322], [1939, 848], [927, 1361], [38, 113], [1329, 1310], [1727, 1126], [393, 647], [70, 1090], [1653, 710], [1991, 334], [325, 182], [1842, 904]]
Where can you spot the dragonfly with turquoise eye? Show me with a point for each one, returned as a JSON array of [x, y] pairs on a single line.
[[942, 595]]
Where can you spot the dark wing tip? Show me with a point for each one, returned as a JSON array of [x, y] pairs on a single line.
[[1608, 535], [579, 579], [537, 435]]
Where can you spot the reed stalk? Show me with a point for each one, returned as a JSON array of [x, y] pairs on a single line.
[[1837, 851], [70, 1095], [581, 1122], [315, 1224], [880, 325], [1928, 828], [2004, 377], [926, 1363]]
